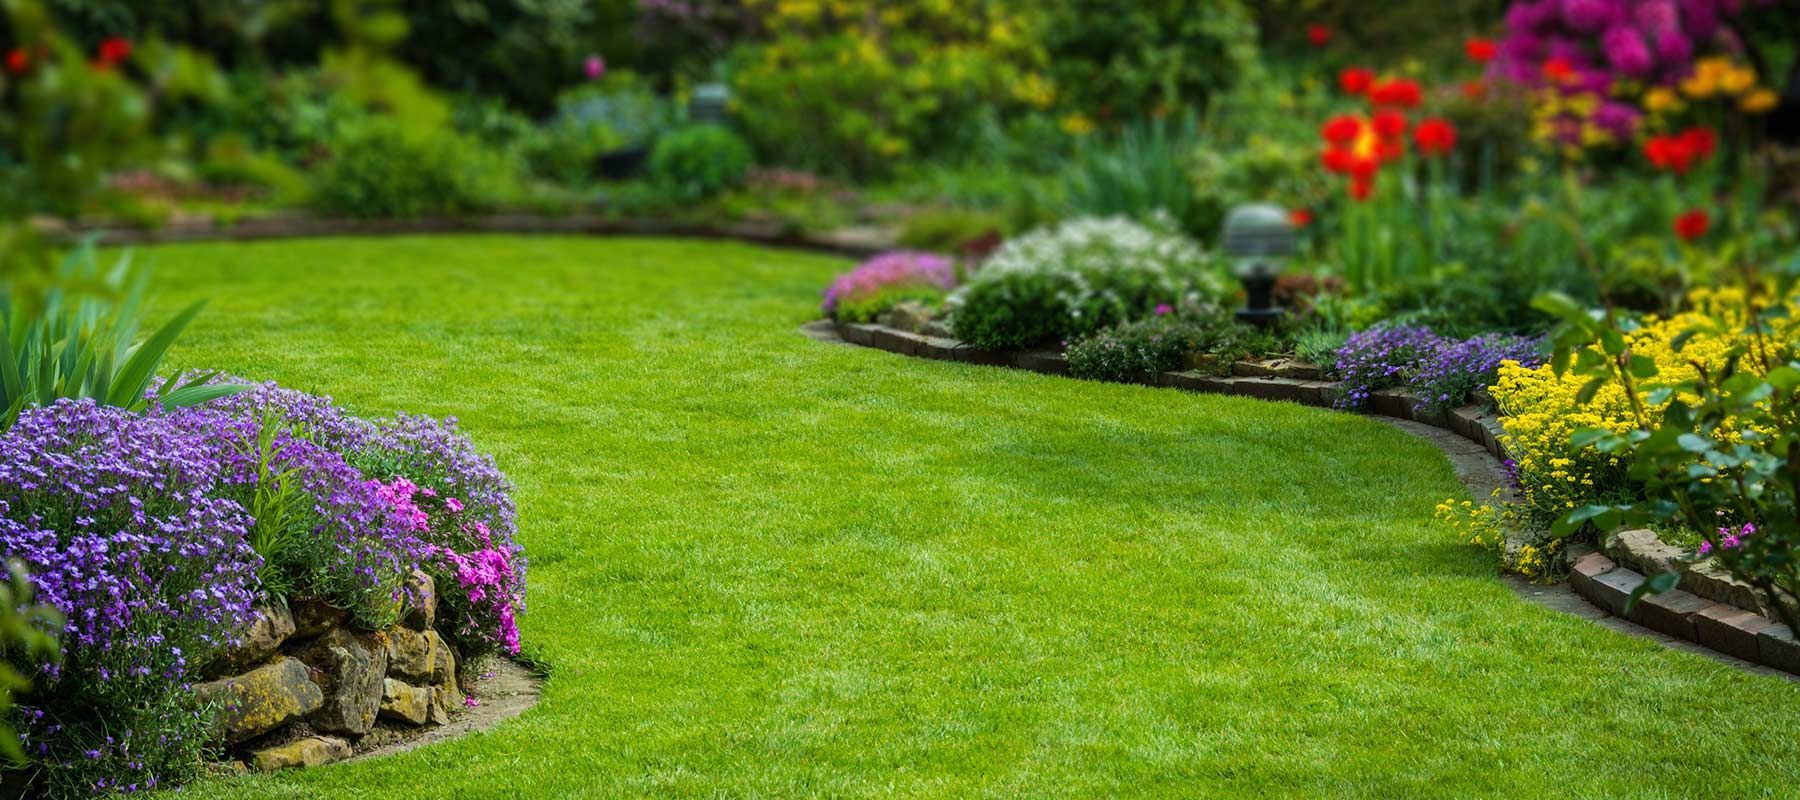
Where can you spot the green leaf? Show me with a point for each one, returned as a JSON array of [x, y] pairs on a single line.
[[134, 377], [1784, 378], [1643, 367], [196, 394], [1695, 443], [1602, 517], [1655, 584], [1589, 389]]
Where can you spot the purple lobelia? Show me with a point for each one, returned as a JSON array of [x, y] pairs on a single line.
[[1443, 379], [120, 521], [1382, 356]]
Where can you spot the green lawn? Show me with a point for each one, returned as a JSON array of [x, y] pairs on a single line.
[[764, 566]]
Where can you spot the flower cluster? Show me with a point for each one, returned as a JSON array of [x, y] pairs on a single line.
[[435, 473], [1444, 379], [1590, 59], [1358, 145], [1680, 152], [1382, 356], [863, 292], [121, 522]]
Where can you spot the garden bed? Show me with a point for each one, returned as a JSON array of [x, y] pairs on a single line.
[[1719, 613]]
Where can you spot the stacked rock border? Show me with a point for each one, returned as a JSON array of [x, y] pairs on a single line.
[[305, 688], [1711, 609]]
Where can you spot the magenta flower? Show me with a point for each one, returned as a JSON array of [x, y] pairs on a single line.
[[1591, 16], [1163, 308], [1626, 51], [891, 270], [594, 67]]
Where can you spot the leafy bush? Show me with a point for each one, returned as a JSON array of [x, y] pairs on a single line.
[[566, 151], [1079, 277], [622, 104], [888, 279], [1132, 61], [1320, 346], [951, 230], [1131, 351], [700, 161], [377, 169]]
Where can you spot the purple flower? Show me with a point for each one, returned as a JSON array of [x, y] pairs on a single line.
[[1444, 378], [899, 269], [593, 67], [1591, 16], [1626, 51], [1673, 48], [1618, 119], [1382, 356]]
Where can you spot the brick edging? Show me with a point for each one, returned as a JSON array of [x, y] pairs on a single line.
[[1725, 628]]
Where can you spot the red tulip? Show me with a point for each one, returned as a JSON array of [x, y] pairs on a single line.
[[1692, 225], [1396, 93], [113, 50], [1480, 50], [1361, 188], [1319, 35], [1390, 123], [17, 60], [1435, 137], [1355, 80], [1342, 129], [1702, 141], [1300, 217]]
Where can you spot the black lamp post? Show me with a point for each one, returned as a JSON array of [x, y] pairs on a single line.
[[1258, 239]]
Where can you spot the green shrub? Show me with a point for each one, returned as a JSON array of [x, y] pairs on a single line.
[[700, 161], [566, 151], [621, 104], [1057, 284], [1138, 351], [949, 230], [1320, 346], [1137, 174], [379, 170], [1133, 60], [866, 308]]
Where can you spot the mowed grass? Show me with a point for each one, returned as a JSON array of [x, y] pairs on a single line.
[[763, 566]]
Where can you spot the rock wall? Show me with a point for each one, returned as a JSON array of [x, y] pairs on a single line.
[[304, 688]]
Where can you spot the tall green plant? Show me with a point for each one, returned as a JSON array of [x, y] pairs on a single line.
[[1137, 174], [79, 339]]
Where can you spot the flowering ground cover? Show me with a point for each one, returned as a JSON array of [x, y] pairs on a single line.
[[766, 566]]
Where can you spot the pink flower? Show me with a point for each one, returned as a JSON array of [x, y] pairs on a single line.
[[1626, 51], [1163, 308], [470, 702], [594, 67], [453, 504]]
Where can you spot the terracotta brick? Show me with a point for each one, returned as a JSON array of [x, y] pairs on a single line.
[[1730, 630], [1775, 647], [1586, 569], [1670, 612]]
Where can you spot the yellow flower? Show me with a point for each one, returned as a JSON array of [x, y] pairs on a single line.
[[1700, 86], [1662, 100], [1760, 101], [1077, 125], [1737, 80]]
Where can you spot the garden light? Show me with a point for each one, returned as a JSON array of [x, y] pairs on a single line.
[[1258, 238]]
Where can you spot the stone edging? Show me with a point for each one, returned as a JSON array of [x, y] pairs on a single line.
[[1719, 623], [855, 242]]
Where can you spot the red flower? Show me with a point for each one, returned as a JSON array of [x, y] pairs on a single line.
[[1336, 160], [1480, 50], [1679, 152], [1396, 93], [1362, 187], [1559, 70], [1363, 168], [1300, 218], [1702, 141], [1342, 129], [1474, 90], [1355, 80], [17, 60], [113, 50], [1319, 35], [1692, 225], [1435, 137], [1390, 123]]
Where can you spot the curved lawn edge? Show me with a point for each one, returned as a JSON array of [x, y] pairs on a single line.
[[1598, 589]]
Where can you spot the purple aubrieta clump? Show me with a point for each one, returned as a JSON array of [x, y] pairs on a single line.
[[1444, 378], [1382, 356], [119, 520], [310, 416], [891, 270]]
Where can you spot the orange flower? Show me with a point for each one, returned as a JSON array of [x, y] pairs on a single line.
[[1355, 80], [1435, 137], [1692, 225], [1480, 50]]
